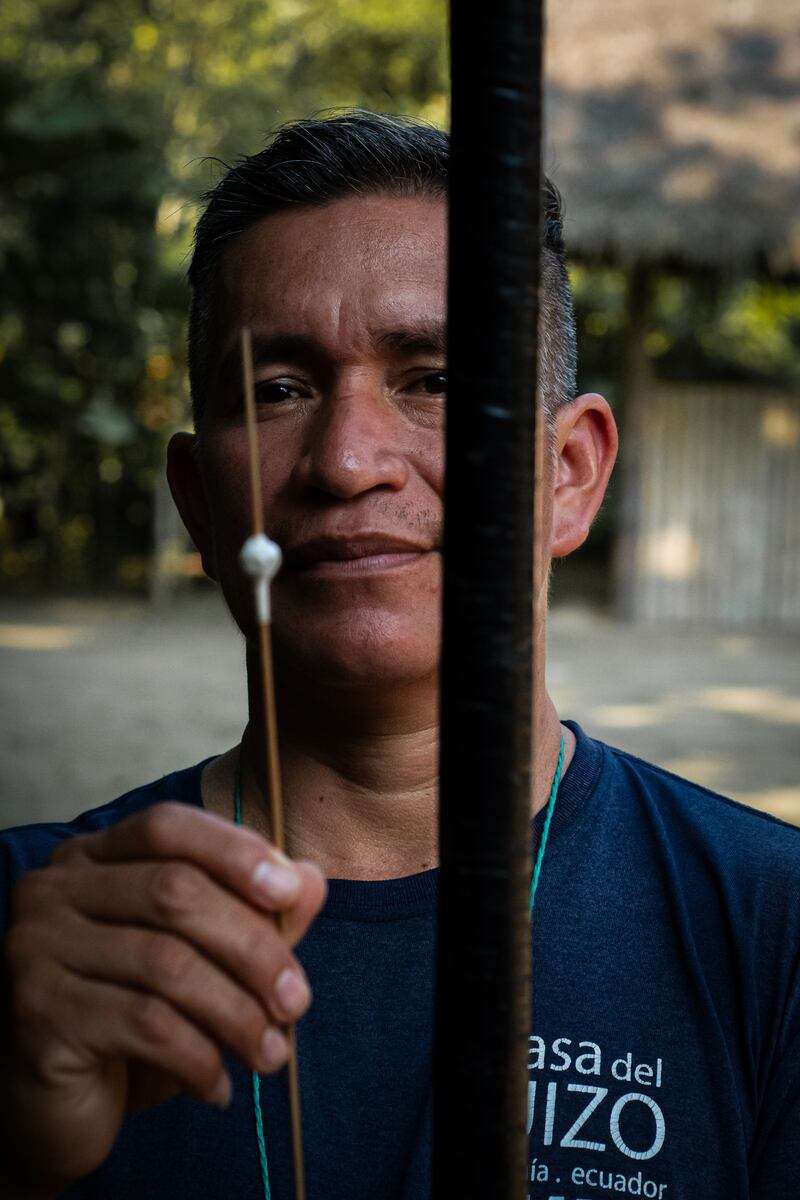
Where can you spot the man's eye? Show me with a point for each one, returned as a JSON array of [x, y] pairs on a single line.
[[273, 391], [434, 384]]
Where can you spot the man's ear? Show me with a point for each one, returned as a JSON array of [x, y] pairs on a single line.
[[586, 450], [186, 485]]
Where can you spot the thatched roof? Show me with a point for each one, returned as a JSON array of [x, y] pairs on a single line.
[[674, 129]]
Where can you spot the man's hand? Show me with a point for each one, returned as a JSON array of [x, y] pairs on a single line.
[[132, 959]]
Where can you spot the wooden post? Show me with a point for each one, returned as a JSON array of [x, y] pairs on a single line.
[[484, 959]]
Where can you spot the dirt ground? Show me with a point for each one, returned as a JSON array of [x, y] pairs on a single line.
[[96, 698]]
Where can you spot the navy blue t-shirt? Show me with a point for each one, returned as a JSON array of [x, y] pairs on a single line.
[[664, 1060]]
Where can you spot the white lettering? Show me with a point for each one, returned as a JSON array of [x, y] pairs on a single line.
[[540, 1172], [598, 1095], [550, 1113], [593, 1060], [566, 1060], [531, 1104], [661, 1129], [624, 1071], [611, 1181], [535, 1053]]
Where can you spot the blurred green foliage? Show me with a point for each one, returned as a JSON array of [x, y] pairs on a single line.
[[701, 328], [111, 115]]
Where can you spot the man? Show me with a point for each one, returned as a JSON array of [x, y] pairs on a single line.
[[146, 976]]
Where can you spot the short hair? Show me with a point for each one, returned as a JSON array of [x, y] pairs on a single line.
[[313, 162]]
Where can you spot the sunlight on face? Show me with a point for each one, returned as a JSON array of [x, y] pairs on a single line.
[[346, 304]]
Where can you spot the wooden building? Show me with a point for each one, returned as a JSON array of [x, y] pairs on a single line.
[[717, 535], [674, 136]]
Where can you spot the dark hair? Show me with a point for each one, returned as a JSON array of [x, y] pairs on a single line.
[[309, 163]]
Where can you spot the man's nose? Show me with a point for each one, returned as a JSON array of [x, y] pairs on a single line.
[[353, 445]]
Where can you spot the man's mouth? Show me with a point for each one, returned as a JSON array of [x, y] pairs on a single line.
[[354, 554]]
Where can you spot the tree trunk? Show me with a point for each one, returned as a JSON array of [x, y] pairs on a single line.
[[635, 381], [170, 543]]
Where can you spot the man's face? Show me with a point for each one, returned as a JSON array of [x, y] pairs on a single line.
[[346, 304]]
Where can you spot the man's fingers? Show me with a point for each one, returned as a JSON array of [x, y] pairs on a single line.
[[241, 859], [176, 898], [196, 988], [111, 1023]]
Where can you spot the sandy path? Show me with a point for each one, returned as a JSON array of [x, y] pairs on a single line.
[[98, 697]]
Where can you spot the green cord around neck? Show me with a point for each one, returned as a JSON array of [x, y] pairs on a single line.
[[551, 805], [537, 870]]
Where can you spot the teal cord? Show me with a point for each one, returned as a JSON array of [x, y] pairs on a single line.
[[262, 1149], [551, 805]]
